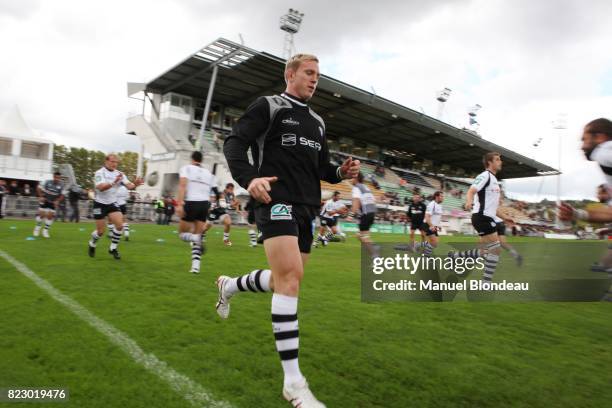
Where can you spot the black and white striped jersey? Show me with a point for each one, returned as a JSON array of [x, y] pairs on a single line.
[[486, 200]]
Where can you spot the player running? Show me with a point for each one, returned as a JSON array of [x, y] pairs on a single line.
[[193, 203], [107, 181], [289, 149], [49, 197], [483, 198], [416, 214], [222, 213], [364, 208], [332, 209], [432, 223]]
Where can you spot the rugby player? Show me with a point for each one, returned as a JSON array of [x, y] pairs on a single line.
[[49, 197], [432, 223], [107, 181], [364, 208], [290, 156], [195, 187], [329, 218]]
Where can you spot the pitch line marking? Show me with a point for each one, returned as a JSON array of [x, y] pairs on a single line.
[[193, 392]]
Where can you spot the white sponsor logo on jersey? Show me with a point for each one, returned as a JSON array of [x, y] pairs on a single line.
[[288, 139], [290, 121]]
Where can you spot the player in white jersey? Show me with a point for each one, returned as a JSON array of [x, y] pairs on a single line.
[[597, 147], [364, 207], [332, 209], [483, 199], [193, 203], [50, 194], [107, 181], [122, 196], [432, 223]]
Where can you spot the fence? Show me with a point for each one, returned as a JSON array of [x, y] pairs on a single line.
[[137, 211]]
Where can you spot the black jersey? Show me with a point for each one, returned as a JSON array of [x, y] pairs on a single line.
[[287, 140], [416, 212]]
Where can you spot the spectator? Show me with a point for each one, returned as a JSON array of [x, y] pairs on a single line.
[[160, 206], [74, 194], [3, 192], [13, 188], [169, 209], [26, 190]]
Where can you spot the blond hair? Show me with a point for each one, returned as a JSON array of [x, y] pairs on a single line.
[[294, 62]]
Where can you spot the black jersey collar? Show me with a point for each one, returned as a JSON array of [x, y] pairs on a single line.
[[295, 99]]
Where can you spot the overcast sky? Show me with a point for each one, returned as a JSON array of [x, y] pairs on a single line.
[[66, 63]]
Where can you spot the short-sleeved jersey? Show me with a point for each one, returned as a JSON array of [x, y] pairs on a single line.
[[416, 212], [52, 190], [363, 193], [122, 195], [105, 175], [435, 210], [602, 154], [199, 182], [329, 206], [486, 201], [229, 199]]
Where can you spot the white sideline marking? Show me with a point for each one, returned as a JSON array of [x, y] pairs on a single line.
[[193, 392]]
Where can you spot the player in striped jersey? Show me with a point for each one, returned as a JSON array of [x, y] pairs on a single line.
[[50, 194], [483, 199], [222, 213]]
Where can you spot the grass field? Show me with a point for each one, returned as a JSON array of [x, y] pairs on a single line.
[[354, 354]]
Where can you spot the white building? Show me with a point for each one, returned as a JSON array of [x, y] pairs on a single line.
[[23, 154]]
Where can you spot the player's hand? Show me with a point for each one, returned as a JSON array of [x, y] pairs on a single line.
[[569, 213], [259, 188], [180, 211], [468, 206], [118, 178], [350, 168], [139, 181]]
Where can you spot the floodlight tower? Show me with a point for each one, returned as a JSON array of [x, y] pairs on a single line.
[[472, 113], [443, 96], [290, 24], [559, 125]]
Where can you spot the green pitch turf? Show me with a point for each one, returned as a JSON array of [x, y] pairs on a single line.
[[353, 354]]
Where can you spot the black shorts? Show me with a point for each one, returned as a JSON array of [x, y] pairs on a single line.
[[366, 221], [100, 211], [216, 214], [251, 216], [276, 219], [427, 229], [123, 209], [416, 225], [196, 211], [46, 206], [330, 222], [501, 228], [483, 224]]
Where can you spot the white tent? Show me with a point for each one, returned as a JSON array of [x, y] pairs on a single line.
[[13, 126]]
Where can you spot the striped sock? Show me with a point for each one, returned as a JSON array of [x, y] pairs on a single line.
[[196, 255], [470, 253], [428, 249], [255, 281], [94, 238], [286, 334], [38, 221], [226, 236], [189, 237], [115, 238], [109, 228], [126, 229], [491, 261], [253, 236], [48, 224]]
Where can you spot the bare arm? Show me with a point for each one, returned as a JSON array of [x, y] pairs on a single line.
[[469, 198]]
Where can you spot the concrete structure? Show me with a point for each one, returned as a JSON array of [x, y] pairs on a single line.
[[23, 154]]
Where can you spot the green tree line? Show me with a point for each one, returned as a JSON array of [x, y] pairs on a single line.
[[86, 162]]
